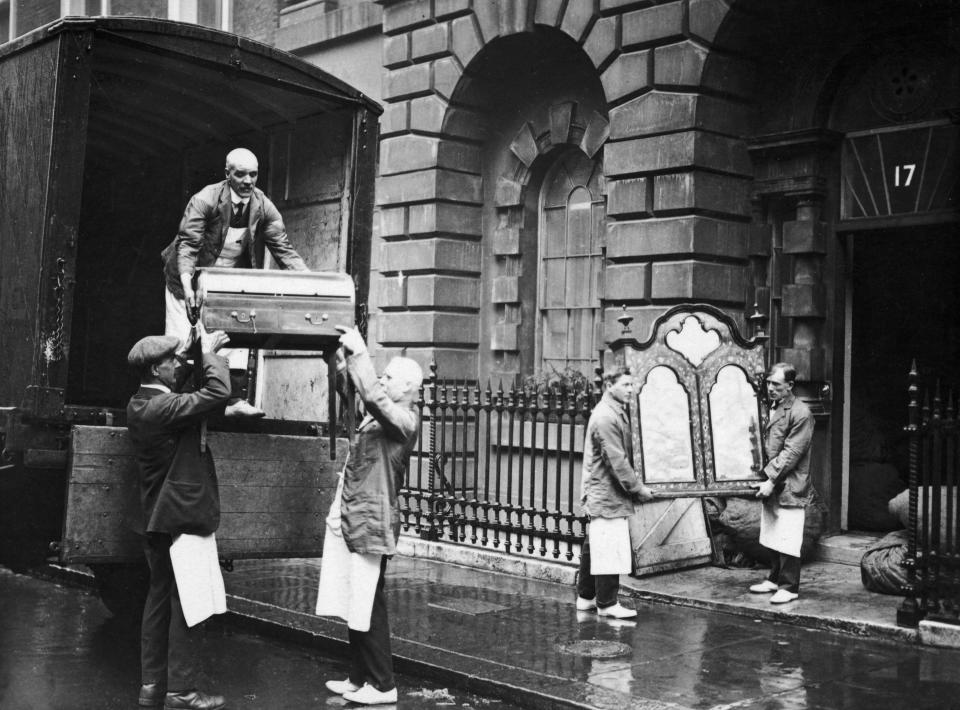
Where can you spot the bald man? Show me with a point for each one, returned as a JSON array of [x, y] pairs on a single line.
[[226, 224], [369, 519]]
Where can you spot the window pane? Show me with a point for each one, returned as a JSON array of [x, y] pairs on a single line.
[[554, 334], [579, 222], [579, 293], [553, 284], [92, 7], [33, 13], [552, 235], [140, 8], [580, 329], [209, 13]]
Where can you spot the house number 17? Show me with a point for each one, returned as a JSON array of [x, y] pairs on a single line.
[[903, 175]]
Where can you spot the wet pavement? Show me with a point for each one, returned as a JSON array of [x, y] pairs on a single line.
[[61, 650], [520, 641]]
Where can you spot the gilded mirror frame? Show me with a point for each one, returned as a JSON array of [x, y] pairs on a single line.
[[697, 342]]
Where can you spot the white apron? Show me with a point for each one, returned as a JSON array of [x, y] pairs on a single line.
[[196, 569], [348, 580], [610, 550], [781, 529]]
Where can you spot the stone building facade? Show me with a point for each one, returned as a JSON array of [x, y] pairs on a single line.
[[546, 164]]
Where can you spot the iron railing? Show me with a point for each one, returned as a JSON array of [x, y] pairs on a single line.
[[499, 468], [933, 529]]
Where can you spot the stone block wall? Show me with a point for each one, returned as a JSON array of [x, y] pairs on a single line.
[[676, 168]]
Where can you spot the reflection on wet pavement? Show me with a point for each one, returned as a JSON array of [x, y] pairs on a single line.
[[528, 631], [61, 650]]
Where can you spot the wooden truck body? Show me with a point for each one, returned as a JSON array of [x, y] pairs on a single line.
[[110, 124]]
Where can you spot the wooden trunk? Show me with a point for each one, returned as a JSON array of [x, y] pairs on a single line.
[[277, 309]]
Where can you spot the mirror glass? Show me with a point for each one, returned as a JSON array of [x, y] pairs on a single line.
[[665, 428], [735, 426]]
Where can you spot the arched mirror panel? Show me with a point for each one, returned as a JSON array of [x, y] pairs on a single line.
[[667, 446]]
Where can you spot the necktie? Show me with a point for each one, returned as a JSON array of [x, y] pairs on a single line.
[[239, 219]]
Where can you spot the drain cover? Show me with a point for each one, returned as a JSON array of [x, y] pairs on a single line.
[[595, 649]]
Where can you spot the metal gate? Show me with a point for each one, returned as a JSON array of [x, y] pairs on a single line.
[[933, 528]]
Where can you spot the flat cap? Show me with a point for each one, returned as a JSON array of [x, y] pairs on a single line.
[[151, 349]]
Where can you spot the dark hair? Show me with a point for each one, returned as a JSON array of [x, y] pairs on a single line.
[[788, 370], [611, 376]]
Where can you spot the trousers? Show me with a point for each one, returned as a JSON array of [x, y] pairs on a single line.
[[370, 658], [168, 647], [785, 571], [605, 587]]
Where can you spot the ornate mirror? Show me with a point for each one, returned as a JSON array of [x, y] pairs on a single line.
[[696, 416]]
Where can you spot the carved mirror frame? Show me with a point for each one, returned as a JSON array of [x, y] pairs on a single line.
[[701, 348]]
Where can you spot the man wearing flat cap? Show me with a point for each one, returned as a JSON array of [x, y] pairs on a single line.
[[181, 508]]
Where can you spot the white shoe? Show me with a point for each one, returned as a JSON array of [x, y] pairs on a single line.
[[586, 604], [341, 686], [368, 695], [764, 587], [243, 409], [783, 596], [617, 611]]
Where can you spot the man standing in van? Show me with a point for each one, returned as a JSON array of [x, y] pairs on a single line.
[[226, 224]]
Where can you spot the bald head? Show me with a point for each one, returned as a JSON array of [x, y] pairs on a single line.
[[241, 171], [401, 379], [241, 157]]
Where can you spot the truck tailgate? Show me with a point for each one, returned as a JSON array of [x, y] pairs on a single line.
[[274, 495]]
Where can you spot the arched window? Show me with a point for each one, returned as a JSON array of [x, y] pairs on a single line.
[[570, 264]]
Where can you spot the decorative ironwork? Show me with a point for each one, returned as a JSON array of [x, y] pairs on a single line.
[[933, 525], [499, 468]]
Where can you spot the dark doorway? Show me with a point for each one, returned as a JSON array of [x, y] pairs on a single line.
[[906, 305]]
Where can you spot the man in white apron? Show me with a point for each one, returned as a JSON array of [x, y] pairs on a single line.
[[609, 487], [226, 224], [364, 524], [181, 512], [787, 490]]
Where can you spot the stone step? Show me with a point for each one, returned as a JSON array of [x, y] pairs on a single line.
[[845, 548]]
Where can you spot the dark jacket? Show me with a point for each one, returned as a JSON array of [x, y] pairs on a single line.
[[178, 483], [786, 439], [370, 514], [203, 229], [609, 482]]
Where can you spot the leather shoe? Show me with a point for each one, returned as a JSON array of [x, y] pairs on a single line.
[[193, 700], [783, 596], [764, 587], [341, 686], [151, 695], [586, 604], [368, 695], [244, 410]]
